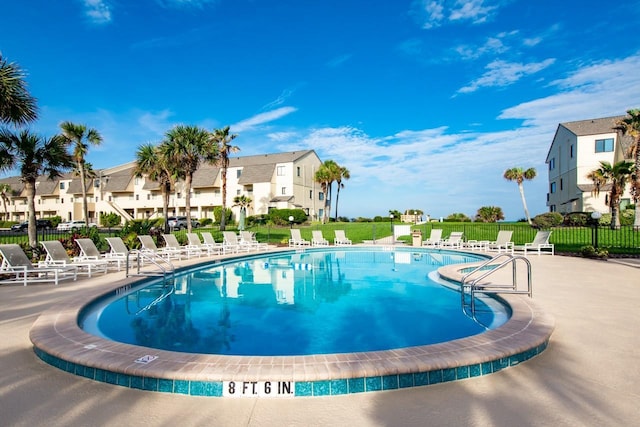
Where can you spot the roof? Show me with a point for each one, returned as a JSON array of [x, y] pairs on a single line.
[[281, 199], [588, 188], [263, 159], [593, 126], [119, 180], [257, 173]]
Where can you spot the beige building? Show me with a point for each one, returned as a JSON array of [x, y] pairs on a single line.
[[577, 149], [281, 180]]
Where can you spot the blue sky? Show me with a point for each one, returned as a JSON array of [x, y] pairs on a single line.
[[426, 102]]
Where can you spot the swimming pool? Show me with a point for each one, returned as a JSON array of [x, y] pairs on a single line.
[[316, 302], [59, 341]]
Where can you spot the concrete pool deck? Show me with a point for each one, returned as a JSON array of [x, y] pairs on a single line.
[[588, 375]]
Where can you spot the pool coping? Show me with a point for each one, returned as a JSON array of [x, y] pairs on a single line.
[[59, 341]]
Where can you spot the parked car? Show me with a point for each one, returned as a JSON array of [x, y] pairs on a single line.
[[41, 224], [180, 222], [73, 225]]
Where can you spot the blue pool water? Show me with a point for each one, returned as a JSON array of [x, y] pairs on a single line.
[[311, 302]]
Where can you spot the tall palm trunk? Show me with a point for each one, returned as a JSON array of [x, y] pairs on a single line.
[[524, 203], [223, 216], [85, 208], [636, 185], [337, 197], [30, 190], [166, 194], [187, 201]]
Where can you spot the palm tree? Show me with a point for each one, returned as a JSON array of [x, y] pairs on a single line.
[[489, 214], [186, 147], [243, 202], [631, 126], [17, 106], [81, 137], [343, 174], [150, 162], [5, 191], [519, 175], [35, 156], [223, 138], [326, 174], [616, 175]]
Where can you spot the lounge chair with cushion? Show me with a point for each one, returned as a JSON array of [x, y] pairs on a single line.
[[296, 239], [195, 244], [540, 244], [172, 244], [341, 239], [318, 239], [119, 250], [89, 252], [435, 237], [149, 248], [15, 263], [57, 256]]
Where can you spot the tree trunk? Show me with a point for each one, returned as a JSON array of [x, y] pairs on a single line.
[[224, 199], [636, 192], [85, 208], [166, 192], [187, 201], [30, 190], [524, 203], [337, 197]]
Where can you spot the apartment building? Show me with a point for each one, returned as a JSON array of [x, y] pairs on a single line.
[[577, 149], [281, 180]]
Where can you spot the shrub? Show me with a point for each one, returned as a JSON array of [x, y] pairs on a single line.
[[204, 222], [576, 219], [217, 213], [281, 216], [591, 252], [547, 220]]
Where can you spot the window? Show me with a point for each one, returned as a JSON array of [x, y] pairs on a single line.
[[604, 145], [320, 195], [136, 181], [62, 185], [552, 208], [571, 151], [298, 171], [311, 194], [553, 187], [284, 191], [280, 170], [561, 186], [137, 197], [320, 213], [552, 164], [238, 173], [178, 195], [148, 196], [237, 192]]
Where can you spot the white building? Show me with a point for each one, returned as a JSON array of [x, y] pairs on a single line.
[[282, 180], [577, 149]]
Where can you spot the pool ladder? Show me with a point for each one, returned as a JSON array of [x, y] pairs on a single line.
[[473, 281], [165, 267]]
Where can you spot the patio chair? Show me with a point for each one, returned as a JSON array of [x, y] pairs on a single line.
[[453, 241], [435, 237], [172, 244], [296, 239], [150, 249], [119, 250], [249, 238], [57, 256], [89, 252], [502, 243], [16, 263], [195, 244], [540, 244], [341, 239], [318, 239], [211, 243], [232, 244]]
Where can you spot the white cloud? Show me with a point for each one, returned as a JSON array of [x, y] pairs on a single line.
[[98, 11], [435, 13], [503, 73], [262, 118]]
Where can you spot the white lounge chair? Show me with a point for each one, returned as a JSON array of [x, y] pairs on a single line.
[[211, 243], [16, 263], [296, 239], [540, 244], [232, 244], [341, 239], [172, 244], [318, 239], [57, 256], [435, 237], [119, 250], [89, 252], [149, 248], [453, 241], [248, 238], [503, 242], [195, 244]]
